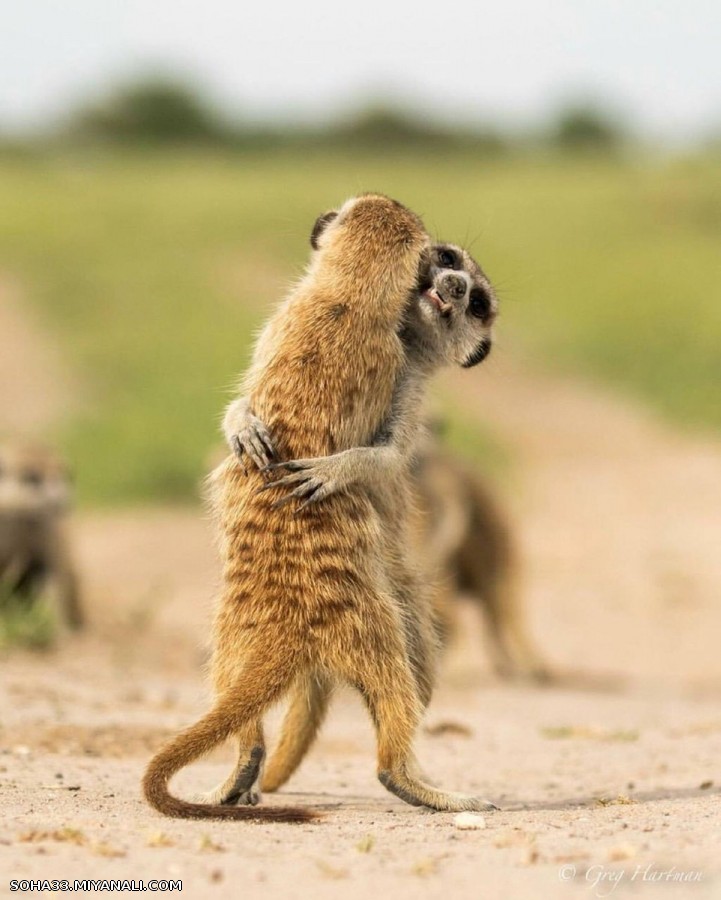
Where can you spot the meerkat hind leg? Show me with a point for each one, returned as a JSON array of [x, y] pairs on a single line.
[[388, 687], [397, 772], [514, 654], [306, 710], [242, 786]]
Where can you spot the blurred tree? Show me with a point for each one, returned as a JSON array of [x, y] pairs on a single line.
[[380, 127], [586, 127], [154, 110], [163, 111]]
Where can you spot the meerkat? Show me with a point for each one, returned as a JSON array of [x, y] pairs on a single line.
[[467, 542], [450, 321], [307, 592], [35, 554]]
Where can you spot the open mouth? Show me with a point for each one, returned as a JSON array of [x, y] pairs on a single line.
[[444, 308]]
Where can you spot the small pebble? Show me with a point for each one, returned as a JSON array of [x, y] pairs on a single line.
[[468, 821], [622, 851]]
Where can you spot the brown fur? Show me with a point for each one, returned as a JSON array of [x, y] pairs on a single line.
[[35, 552], [308, 592]]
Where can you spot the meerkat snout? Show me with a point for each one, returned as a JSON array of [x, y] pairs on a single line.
[[454, 285]]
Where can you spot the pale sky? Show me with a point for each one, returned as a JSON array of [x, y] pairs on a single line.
[[657, 62]]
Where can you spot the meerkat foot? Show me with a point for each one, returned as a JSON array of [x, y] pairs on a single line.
[[419, 794], [242, 788], [522, 665]]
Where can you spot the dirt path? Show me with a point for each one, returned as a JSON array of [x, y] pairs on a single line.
[[612, 775]]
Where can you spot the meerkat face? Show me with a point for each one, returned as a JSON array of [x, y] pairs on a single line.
[[456, 307], [33, 482]]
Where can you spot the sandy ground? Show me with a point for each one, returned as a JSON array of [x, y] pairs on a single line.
[[608, 780]]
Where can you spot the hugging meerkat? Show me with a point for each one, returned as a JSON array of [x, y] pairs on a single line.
[[449, 321], [311, 591]]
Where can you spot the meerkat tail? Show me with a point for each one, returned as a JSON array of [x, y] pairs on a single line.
[[230, 713]]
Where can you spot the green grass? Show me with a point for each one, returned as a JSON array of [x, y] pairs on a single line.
[[153, 271], [24, 624]]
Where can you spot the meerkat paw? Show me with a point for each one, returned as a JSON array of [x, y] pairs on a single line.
[[417, 793], [253, 441], [470, 803], [242, 788], [222, 796], [244, 798], [312, 480]]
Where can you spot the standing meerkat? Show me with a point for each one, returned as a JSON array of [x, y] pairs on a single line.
[[308, 591], [449, 321], [35, 556]]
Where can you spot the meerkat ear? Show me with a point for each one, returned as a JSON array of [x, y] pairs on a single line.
[[478, 355], [320, 225]]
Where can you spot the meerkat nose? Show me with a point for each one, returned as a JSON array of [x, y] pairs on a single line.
[[455, 286]]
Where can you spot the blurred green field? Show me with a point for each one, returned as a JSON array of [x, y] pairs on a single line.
[[153, 271]]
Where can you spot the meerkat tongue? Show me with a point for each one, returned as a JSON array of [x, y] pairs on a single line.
[[438, 301]]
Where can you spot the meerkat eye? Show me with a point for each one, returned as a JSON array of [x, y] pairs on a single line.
[[479, 304], [447, 259]]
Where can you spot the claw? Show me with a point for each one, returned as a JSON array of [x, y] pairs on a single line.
[[278, 504], [323, 490], [305, 489], [258, 452], [240, 453], [282, 482], [268, 444], [292, 465], [314, 497]]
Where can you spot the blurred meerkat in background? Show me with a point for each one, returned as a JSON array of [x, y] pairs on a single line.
[[464, 537], [35, 559]]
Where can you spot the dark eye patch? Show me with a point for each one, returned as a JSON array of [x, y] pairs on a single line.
[[478, 355], [479, 304]]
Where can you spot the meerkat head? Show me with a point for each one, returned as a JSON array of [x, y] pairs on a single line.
[[452, 317], [366, 214], [33, 482]]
